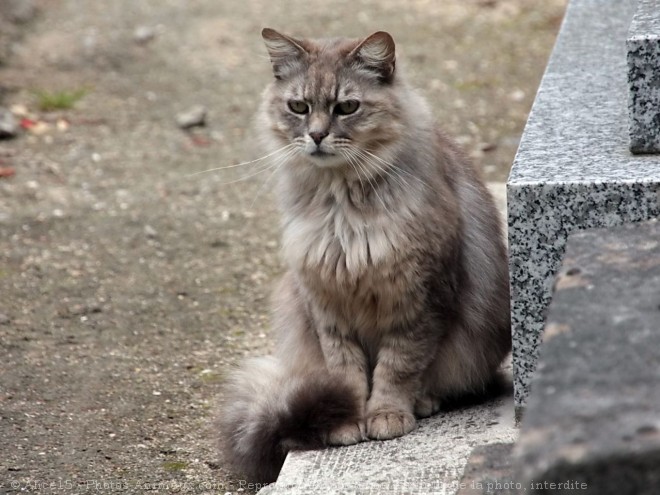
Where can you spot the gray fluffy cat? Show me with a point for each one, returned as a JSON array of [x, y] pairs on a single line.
[[396, 295]]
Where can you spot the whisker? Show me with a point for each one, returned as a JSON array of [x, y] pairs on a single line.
[[250, 175], [281, 160], [371, 182], [346, 155], [395, 167], [288, 146], [396, 177], [389, 169]]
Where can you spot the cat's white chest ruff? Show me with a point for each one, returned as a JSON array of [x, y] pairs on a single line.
[[339, 244], [359, 276], [353, 257]]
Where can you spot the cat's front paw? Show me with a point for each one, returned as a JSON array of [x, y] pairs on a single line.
[[347, 434], [389, 423]]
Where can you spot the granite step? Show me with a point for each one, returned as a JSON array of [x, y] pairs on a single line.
[[593, 417], [428, 461], [573, 169]]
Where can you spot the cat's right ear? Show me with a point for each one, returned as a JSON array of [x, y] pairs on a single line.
[[286, 54]]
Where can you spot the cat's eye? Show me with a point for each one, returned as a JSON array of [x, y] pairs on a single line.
[[297, 106], [347, 107]]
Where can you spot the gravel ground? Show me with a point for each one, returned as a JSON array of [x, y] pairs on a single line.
[[129, 285]]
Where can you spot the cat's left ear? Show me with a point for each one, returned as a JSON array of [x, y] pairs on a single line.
[[286, 54], [376, 53]]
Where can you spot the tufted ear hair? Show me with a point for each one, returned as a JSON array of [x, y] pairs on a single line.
[[376, 53], [286, 54]]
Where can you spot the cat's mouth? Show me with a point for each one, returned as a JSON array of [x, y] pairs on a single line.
[[325, 159], [319, 153]]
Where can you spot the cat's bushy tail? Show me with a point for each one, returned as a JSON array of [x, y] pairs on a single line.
[[269, 410]]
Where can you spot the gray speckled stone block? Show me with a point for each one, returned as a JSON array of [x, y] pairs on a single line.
[[643, 46], [593, 417], [573, 169]]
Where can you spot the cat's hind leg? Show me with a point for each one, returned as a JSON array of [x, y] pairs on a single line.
[[464, 365]]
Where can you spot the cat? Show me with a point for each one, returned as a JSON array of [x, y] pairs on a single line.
[[396, 293]]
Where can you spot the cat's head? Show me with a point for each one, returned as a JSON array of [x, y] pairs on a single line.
[[334, 101]]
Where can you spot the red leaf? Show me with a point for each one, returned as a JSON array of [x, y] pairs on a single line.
[[27, 123], [7, 172]]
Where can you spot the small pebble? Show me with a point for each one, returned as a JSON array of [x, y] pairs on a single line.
[[4, 319], [517, 95], [19, 110], [150, 232], [144, 34], [196, 116], [8, 124]]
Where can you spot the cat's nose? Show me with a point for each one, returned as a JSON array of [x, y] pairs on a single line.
[[318, 136]]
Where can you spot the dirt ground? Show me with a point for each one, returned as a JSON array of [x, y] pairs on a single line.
[[128, 286]]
